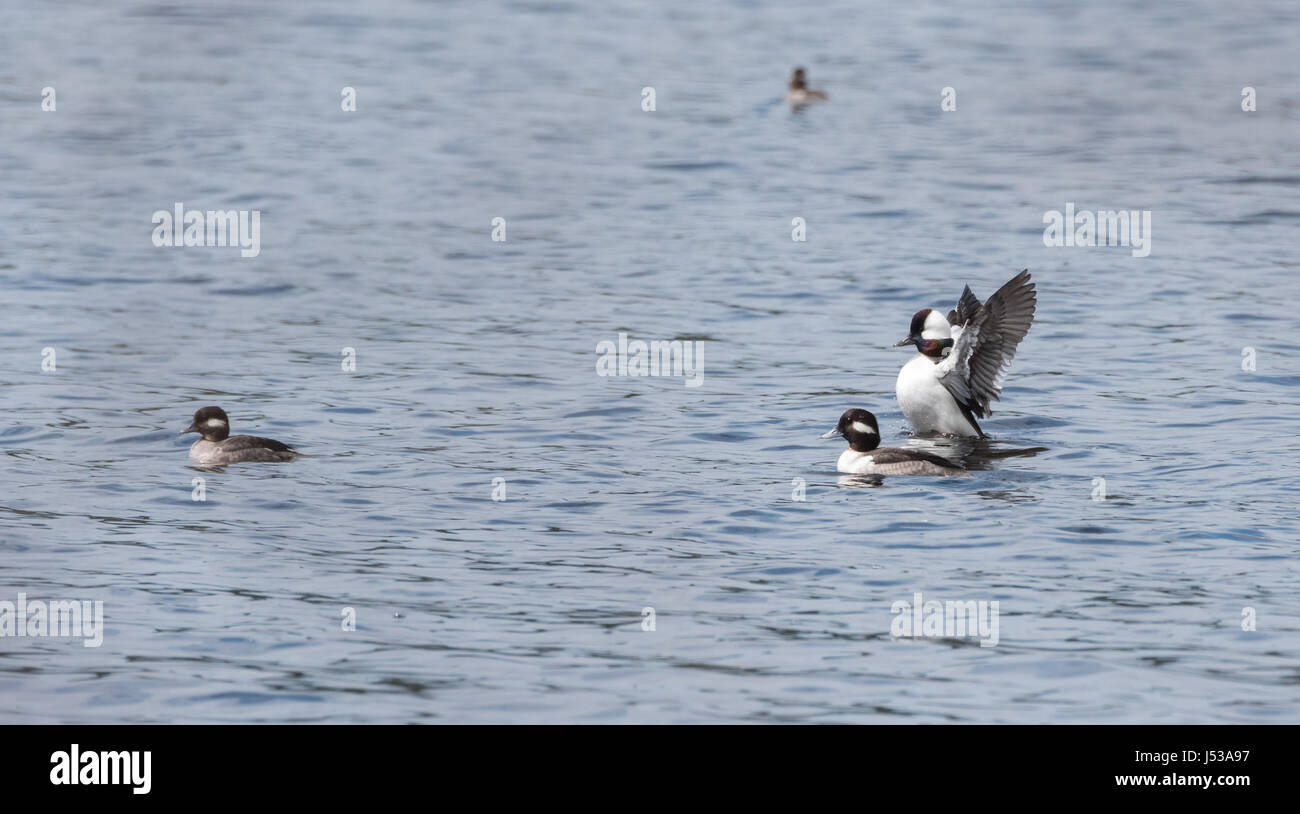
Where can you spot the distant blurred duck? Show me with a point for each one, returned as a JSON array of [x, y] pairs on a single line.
[[799, 93]]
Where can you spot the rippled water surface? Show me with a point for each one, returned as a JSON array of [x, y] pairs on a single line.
[[475, 360]]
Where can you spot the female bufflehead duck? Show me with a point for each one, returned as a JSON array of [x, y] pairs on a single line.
[[218, 447], [799, 93], [863, 457], [963, 358]]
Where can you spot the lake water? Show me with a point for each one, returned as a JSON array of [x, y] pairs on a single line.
[[1156, 520]]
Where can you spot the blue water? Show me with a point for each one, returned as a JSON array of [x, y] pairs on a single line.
[[1121, 599]]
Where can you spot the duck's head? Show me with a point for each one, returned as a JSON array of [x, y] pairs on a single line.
[[930, 332], [859, 428], [211, 423]]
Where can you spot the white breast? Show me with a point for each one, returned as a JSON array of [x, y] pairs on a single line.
[[853, 462], [926, 403], [204, 452]]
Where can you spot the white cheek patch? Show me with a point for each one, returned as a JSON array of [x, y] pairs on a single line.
[[862, 429], [936, 327], [213, 423]]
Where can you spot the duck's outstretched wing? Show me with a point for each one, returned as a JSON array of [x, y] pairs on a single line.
[[977, 367], [967, 306]]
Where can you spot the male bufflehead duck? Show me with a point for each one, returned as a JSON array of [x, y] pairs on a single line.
[[799, 93], [218, 447], [863, 457], [963, 359]]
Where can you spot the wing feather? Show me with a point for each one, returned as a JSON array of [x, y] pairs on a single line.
[[258, 449], [894, 455], [967, 305], [983, 349]]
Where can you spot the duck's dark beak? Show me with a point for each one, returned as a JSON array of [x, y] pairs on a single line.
[[833, 433], [191, 428], [907, 340]]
